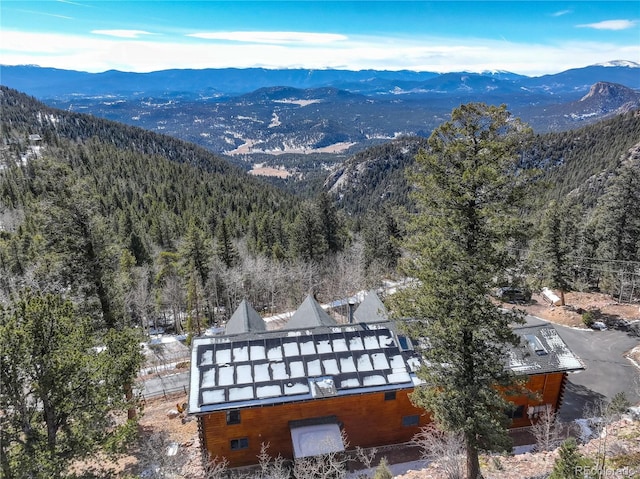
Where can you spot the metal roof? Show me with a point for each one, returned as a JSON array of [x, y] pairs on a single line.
[[271, 367], [309, 315], [542, 350], [371, 309], [284, 366], [245, 319]]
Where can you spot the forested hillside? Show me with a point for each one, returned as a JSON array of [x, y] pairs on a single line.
[[375, 178], [579, 162], [575, 163], [149, 223], [107, 231], [584, 221]]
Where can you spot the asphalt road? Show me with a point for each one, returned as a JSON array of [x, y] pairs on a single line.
[[607, 372]]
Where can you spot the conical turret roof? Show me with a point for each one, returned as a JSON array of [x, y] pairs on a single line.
[[245, 319], [310, 315], [371, 310]]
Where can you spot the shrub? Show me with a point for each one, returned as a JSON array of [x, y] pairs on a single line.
[[382, 471], [588, 318]]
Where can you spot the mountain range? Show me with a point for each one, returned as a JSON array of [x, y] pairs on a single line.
[[51, 83], [302, 120]]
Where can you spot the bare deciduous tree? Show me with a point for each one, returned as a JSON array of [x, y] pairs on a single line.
[[446, 448], [216, 468], [271, 468], [547, 430], [600, 415], [160, 457]]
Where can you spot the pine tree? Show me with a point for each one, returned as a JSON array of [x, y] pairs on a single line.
[[307, 239], [619, 222], [567, 465], [225, 249], [382, 471], [330, 223], [555, 250], [58, 388], [468, 186], [381, 236]]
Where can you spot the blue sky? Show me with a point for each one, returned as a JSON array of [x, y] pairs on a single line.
[[531, 38]]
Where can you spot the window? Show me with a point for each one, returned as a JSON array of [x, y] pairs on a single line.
[[516, 413], [237, 444], [410, 420], [404, 342], [390, 396], [233, 417]]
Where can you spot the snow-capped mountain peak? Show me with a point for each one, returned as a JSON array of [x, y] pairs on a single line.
[[619, 63]]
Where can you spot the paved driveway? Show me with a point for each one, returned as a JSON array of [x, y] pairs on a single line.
[[607, 372]]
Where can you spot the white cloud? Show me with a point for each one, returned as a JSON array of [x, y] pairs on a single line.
[[561, 13], [45, 14], [100, 53], [272, 37], [121, 33], [610, 25]]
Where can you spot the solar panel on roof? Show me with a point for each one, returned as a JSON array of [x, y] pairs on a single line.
[[379, 361], [313, 367], [241, 393], [363, 362], [297, 369], [213, 396], [257, 350], [208, 378], [356, 344], [223, 355], [307, 347], [270, 390], [261, 372], [291, 348], [330, 366], [244, 374], [225, 375], [374, 380], [240, 352], [347, 365]]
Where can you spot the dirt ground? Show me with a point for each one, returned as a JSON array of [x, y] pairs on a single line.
[[604, 306]]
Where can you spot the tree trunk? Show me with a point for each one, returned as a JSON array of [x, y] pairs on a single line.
[[473, 463], [561, 297], [128, 394]]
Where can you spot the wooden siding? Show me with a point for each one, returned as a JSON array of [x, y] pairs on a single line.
[[368, 420], [548, 389]]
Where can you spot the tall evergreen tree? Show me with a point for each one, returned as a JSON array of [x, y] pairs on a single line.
[[195, 252], [330, 223], [619, 222], [381, 236], [225, 249], [307, 239], [58, 390], [468, 185], [555, 249]]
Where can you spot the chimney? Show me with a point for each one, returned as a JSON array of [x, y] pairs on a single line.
[[352, 305]]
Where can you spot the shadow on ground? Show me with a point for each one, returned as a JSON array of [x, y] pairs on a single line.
[[576, 399]]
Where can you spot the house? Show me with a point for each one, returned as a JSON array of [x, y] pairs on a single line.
[[301, 387]]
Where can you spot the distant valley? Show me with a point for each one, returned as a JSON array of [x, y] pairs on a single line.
[[290, 123]]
